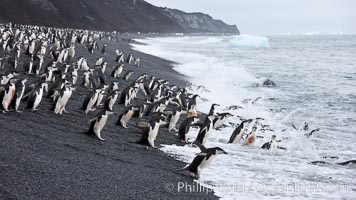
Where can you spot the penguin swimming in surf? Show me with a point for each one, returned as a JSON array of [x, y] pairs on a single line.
[[272, 145], [203, 159], [349, 162], [239, 131], [97, 124], [220, 119], [251, 137]]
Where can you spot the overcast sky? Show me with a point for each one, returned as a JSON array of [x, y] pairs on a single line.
[[275, 16]]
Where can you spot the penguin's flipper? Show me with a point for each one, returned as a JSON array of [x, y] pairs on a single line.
[[201, 147], [201, 154]]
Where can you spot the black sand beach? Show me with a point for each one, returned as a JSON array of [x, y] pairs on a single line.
[[46, 156]]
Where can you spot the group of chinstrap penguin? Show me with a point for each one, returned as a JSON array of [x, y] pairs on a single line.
[[157, 102]]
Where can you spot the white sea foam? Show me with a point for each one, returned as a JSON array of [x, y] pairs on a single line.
[[249, 172]]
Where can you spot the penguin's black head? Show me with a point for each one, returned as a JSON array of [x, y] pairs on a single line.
[[227, 114], [248, 121], [219, 150], [274, 137]]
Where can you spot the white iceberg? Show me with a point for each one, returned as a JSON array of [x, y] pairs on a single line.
[[249, 41]]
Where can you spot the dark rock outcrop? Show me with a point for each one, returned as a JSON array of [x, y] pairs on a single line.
[[109, 15], [269, 83], [199, 22]]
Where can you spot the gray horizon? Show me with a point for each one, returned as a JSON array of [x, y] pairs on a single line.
[[274, 17]]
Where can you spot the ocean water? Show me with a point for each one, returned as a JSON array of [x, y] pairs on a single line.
[[315, 79]]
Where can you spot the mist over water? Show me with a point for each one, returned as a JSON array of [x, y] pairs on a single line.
[[315, 79]]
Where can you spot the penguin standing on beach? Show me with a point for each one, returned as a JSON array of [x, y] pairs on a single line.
[[185, 127], [212, 109], [97, 124], [61, 100], [99, 61], [34, 97], [101, 95], [239, 131], [120, 57], [125, 117], [117, 71], [205, 130], [103, 50], [90, 101], [150, 133], [203, 159], [127, 95], [111, 99], [20, 90], [130, 59], [8, 95], [128, 75], [174, 119], [192, 106]]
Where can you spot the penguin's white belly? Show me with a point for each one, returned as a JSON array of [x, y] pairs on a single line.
[[207, 135], [38, 99], [238, 137], [129, 115], [219, 123], [173, 121], [63, 101], [100, 98], [206, 162], [273, 146], [66, 96], [8, 97], [152, 135], [91, 102], [18, 100], [87, 82], [99, 125], [119, 71], [112, 102]]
